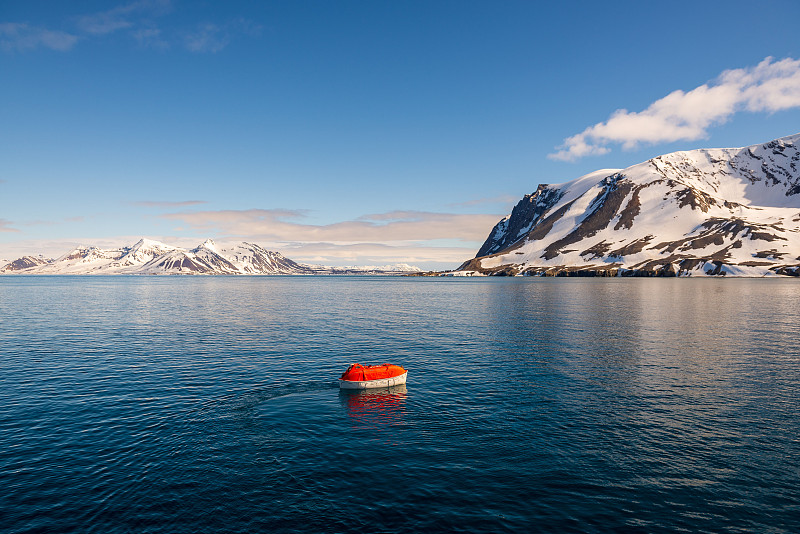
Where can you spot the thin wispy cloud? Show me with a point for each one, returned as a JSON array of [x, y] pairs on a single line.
[[168, 204], [5, 226], [107, 21], [770, 86], [150, 38], [123, 16], [503, 199], [58, 222], [428, 257], [141, 21], [404, 216], [287, 226], [208, 37], [20, 37]]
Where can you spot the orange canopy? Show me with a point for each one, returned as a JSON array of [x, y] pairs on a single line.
[[358, 372]]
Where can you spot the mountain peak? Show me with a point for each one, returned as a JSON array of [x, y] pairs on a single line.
[[149, 243], [208, 244]]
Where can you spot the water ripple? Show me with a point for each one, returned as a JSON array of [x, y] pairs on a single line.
[[208, 405]]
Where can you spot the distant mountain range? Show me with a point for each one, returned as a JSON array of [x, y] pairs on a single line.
[[733, 211], [152, 257]]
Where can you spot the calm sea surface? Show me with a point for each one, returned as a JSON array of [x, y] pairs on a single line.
[[200, 405]]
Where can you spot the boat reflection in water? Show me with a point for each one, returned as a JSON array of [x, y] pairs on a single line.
[[375, 407]]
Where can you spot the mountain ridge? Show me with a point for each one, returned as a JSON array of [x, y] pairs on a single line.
[[149, 257], [729, 211]]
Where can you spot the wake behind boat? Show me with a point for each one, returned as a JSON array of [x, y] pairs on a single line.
[[359, 376]]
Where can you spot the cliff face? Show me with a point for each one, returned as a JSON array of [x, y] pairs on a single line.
[[707, 211], [523, 217]]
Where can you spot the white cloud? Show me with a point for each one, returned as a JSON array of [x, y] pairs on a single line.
[[16, 36], [770, 86]]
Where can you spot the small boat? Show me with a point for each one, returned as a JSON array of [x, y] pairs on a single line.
[[360, 376]]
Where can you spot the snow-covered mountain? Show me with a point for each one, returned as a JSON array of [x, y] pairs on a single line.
[[25, 262], [153, 257], [732, 212]]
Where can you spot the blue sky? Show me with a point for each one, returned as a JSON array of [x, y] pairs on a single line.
[[359, 132]]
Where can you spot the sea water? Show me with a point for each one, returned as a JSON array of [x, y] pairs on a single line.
[[210, 404]]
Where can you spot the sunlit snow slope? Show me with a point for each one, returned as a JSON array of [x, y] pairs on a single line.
[[152, 257], [732, 212]]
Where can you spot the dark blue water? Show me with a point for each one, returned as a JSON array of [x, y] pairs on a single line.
[[194, 405]]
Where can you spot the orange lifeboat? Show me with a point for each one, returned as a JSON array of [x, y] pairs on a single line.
[[360, 376]]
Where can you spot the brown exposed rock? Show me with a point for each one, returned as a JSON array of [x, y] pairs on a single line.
[[597, 251], [701, 241], [696, 199], [608, 270], [631, 210], [755, 263], [503, 270], [574, 271], [717, 231], [787, 270], [634, 247], [710, 238], [769, 253], [717, 269], [473, 264], [606, 205], [678, 264], [764, 236], [183, 263]]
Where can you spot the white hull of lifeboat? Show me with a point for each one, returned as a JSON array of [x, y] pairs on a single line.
[[379, 383]]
